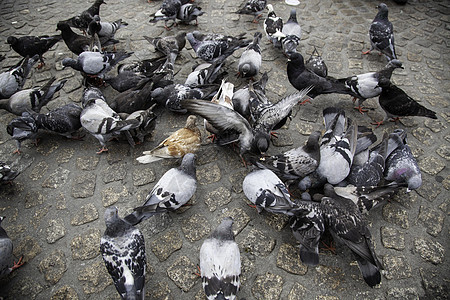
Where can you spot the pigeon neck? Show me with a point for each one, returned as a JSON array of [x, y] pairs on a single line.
[[4, 104], [117, 228]]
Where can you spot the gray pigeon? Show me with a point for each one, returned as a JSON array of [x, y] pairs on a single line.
[[316, 64], [64, 120], [22, 128], [189, 12], [204, 74], [105, 31], [147, 126], [7, 174], [82, 20], [267, 192], [174, 189], [100, 120], [250, 60], [253, 7], [123, 250], [293, 32], [241, 97], [13, 80], [6, 253], [220, 263], [381, 34], [31, 99]]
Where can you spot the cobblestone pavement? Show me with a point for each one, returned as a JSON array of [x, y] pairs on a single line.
[[55, 207]]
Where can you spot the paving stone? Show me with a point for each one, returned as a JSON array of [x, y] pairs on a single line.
[[87, 213], [88, 163], [28, 247], [94, 278], [26, 288], [396, 267], [431, 251], [55, 230], [423, 135], [328, 276], [195, 227], [236, 180], [143, 177], [267, 286], [409, 293], [160, 291], [113, 194], [33, 199], [276, 221], [165, 244], [431, 165], [397, 215], [181, 272], [444, 151], [86, 245], [432, 219], [53, 266], [297, 292], [83, 186], [39, 170], [240, 219], [429, 190], [434, 286], [65, 156], [258, 243], [208, 174], [392, 238], [218, 198], [114, 172], [288, 259], [65, 293]]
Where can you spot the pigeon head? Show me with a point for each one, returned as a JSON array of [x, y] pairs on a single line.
[[70, 62], [193, 41], [313, 141], [111, 215], [191, 122], [261, 142], [395, 63], [12, 40], [382, 11], [62, 26], [296, 58], [414, 182], [270, 8], [188, 164], [91, 93], [223, 231]]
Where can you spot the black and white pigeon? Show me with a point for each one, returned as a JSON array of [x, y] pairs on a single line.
[[174, 189], [338, 146], [347, 225], [6, 253], [381, 34], [105, 30], [253, 7], [100, 120], [147, 126], [273, 26], [316, 64], [220, 263], [14, 79], [300, 77], [204, 74], [267, 192], [173, 9], [32, 45], [95, 64], [32, 99], [241, 97], [366, 85], [189, 12], [7, 174], [293, 32], [212, 47], [82, 20], [401, 166], [75, 42], [396, 103], [123, 250], [295, 163], [250, 60], [22, 128], [145, 67]]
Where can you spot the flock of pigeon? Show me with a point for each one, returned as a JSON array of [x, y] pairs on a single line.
[[340, 175]]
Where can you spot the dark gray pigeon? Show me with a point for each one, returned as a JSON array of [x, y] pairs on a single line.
[[125, 80], [75, 42], [13, 80], [6, 253], [168, 11], [241, 97], [204, 74], [401, 166], [253, 7], [267, 192], [31, 99], [22, 128], [273, 26], [396, 103], [82, 20], [367, 86], [293, 32], [316, 64], [147, 126], [169, 44], [7, 174], [123, 250], [250, 60], [381, 34], [174, 189], [220, 263], [131, 100]]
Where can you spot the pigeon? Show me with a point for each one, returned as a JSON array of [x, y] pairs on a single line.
[[100, 120], [95, 64], [241, 97], [381, 34], [75, 42], [105, 30], [215, 47], [367, 85], [31, 99], [396, 103], [267, 192], [137, 98], [338, 146], [14, 79], [82, 20], [349, 226], [204, 74], [6, 253], [250, 60], [125, 80], [273, 26], [223, 119], [293, 32], [146, 67], [189, 12], [401, 166], [32, 45], [220, 263], [174, 189], [148, 124], [253, 7], [295, 163], [178, 144], [170, 44], [22, 128], [168, 11], [300, 77], [7, 174], [123, 250], [316, 64]]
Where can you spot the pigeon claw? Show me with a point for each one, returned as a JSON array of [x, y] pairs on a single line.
[[379, 123], [199, 272], [103, 149], [274, 134], [366, 52], [18, 264], [331, 248], [361, 109], [17, 151], [305, 101]]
